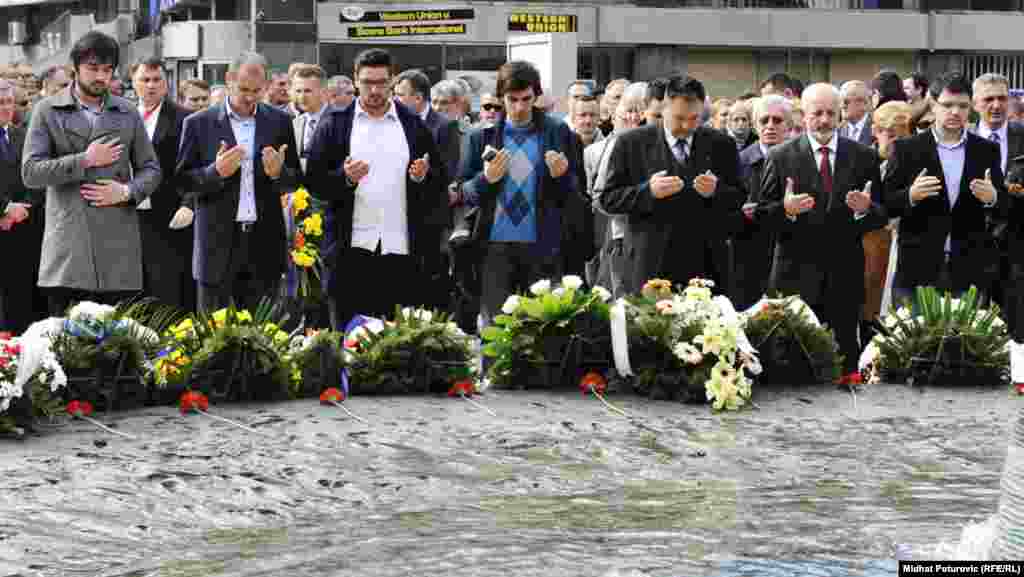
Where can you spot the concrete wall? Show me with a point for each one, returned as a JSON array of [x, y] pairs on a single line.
[[846, 65], [725, 74], [213, 40]]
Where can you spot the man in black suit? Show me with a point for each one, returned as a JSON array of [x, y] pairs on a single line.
[[16, 292], [678, 183], [412, 88], [856, 106], [943, 184], [378, 166], [752, 245], [164, 218], [816, 195], [238, 157], [991, 102]]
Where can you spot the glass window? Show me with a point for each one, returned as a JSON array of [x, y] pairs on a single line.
[[461, 57], [339, 58], [602, 64]]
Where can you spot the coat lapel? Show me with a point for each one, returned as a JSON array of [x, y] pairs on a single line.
[[163, 122], [935, 168], [223, 130], [810, 177], [841, 174]]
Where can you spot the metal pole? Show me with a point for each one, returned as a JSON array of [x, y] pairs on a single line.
[[253, 10]]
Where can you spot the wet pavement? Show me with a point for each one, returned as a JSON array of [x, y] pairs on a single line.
[[811, 483]]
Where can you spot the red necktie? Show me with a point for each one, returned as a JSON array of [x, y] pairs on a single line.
[[148, 113], [826, 171]]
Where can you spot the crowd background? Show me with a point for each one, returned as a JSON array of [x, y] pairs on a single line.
[[785, 188]]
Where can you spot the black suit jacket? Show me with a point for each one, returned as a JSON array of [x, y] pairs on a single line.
[[925, 226], [326, 178], [825, 242], [682, 236], [12, 187], [216, 198], [448, 140], [169, 196]]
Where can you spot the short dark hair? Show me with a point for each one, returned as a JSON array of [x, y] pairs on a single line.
[[688, 87], [748, 95], [95, 45], [889, 87], [517, 75], [952, 82], [920, 82], [797, 86], [373, 58], [656, 89], [194, 83], [149, 62], [780, 81], [417, 79]]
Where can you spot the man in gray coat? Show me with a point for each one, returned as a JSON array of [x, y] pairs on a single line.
[[90, 150]]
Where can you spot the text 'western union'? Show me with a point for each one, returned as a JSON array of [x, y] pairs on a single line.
[[418, 16], [390, 31]]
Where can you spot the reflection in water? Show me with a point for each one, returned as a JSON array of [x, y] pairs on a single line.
[[554, 486]]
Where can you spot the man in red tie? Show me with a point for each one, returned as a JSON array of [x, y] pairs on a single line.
[[820, 194]]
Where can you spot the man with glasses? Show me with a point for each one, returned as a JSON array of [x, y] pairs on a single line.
[[856, 112], [491, 110], [943, 184], [378, 166], [90, 150], [753, 244]]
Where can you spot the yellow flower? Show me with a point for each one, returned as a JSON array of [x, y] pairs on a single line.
[[220, 316], [313, 226], [280, 338], [270, 328], [300, 201], [244, 316], [302, 258]]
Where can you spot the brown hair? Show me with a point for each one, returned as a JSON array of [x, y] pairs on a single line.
[[299, 70], [194, 83], [518, 75]]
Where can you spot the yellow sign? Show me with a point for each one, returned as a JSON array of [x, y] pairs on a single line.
[[539, 23], [410, 30]]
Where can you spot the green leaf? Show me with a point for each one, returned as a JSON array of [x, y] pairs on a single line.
[[492, 333]]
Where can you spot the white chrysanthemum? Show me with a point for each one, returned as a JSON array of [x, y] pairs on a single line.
[[602, 293], [688, 353], [540, 287], [511, 305], [572, 282], [419, 314], [559, 292], [89, 310]]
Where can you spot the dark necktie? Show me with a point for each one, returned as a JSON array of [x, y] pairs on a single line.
[[826, 172], [6, 153]]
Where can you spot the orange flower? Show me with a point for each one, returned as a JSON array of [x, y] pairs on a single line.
[[300, 240], [79, 408], [331, 395], [193, 401], [593, 382], [463, 388]]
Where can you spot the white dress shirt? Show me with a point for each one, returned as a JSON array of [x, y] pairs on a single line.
[[833, 146], [853, 129], [150, 124], [244, 130], [380, 213], [985, 132]]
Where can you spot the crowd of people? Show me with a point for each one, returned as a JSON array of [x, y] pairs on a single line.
[[849, 196]]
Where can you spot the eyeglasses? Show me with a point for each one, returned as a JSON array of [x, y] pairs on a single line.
[[492, 107], [764, 120]]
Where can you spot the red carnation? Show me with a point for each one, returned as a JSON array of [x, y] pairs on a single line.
[[79, 408], [193, 401], [1020, 388], [593, 382], [6, 336], [852, 379], [463, 388], [331, 395]]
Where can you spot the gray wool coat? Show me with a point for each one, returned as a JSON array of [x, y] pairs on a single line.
[[84, 247]]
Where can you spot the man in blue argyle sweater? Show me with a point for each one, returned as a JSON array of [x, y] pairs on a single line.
[[523, 176]]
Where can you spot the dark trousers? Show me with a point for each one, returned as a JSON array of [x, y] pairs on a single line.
[[167, 263], [1013, 292], [750, 263], [240, 286], [841, 313], [373, 284], [23, 300], [62, 298], [511, 268]]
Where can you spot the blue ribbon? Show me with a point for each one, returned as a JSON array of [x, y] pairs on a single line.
[[356, 322], [94, 329]]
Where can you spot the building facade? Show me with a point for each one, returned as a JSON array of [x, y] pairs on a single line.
[[732, 44]]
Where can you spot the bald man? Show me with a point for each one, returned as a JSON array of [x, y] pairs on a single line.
[[820, 194]]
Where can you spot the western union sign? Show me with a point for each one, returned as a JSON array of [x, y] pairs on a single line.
[[409, 30], [416, 15], [521, 22]]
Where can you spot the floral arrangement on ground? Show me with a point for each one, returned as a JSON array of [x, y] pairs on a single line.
[[793, 346], [550, 336], [689, 345], [26, 396], [315, 361], [418, 350], [246, 352], [948, 340]]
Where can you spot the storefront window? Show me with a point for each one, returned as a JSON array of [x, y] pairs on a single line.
[[602, 64], [339, 58]]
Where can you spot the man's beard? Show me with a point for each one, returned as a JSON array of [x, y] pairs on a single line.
[[92, 89]]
